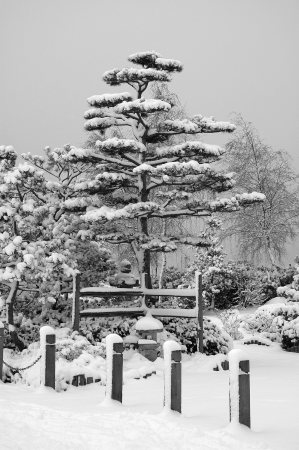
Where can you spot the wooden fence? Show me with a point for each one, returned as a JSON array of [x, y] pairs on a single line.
[[146, 295]]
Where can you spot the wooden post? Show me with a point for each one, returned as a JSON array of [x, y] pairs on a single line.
[[244, 393], [117, 372], [1, 349], [145, 280], [76, 302], [176, 381], [144, 285], [114, 357], [172, 376], [48, 348], [199, 306], [239, 388]]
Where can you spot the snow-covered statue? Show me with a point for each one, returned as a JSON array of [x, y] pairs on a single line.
[[124, 278]]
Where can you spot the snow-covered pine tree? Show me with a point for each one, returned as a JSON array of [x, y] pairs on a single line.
[[41, 233], [143, 173]]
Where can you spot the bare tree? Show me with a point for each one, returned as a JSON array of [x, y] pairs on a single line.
[[264, 230]]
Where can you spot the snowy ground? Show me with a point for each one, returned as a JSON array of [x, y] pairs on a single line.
[[36, 419]]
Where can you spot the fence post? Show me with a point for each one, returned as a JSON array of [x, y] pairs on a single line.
[[114, 361], [1, 349], [239, 388], [172, 376], [76, 302], [199, 305], [47, 348]]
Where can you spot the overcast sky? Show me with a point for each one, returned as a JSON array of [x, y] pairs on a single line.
[[238, 56]]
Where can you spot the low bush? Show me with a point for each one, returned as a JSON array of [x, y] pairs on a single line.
[[276, 322]]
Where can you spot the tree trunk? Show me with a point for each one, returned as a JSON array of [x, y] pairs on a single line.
[[10, 317], [145, 265], [270, 253], [162, 270]]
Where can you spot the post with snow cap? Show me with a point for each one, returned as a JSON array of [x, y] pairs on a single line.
[[172, 376], [199, 307], [47, 364], [239, 388], [76, 302], [1, 349], [114, 361]]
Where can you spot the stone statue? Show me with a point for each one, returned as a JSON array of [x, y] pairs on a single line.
[[124, 278]]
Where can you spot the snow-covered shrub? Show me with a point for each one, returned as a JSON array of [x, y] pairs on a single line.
[[291, 290], [215, 340], [231, 320], [95, 329], [75, 355], [290, 334], [183, 330], [272, 320], [70, 345]]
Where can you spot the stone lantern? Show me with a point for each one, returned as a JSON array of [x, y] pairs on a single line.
[[147, 329]]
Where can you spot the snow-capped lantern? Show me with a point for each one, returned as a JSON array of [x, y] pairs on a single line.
[[147, 329]]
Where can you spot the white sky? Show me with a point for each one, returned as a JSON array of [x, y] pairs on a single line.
[[238, 56]]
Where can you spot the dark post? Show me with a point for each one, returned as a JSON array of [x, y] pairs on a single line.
[[76, 302], [199, 305], [145, 280], [176, 381], [244, 393], [239, 388], [144, 285], [50, 361], [1, 349], [117, 372]]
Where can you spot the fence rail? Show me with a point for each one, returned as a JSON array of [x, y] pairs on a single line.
[[145, 293]]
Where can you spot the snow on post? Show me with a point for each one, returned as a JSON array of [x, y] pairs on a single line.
[[172, 376], [114, 364], [47, 349], [1, 348], [239, 387]]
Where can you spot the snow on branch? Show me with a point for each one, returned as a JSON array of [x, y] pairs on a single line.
[[8, 157], [146, 58], [78, 154], [116, 77], [179, 126], [175, 168], [99, 123], [115, 144], [165, 245], [93, 113], [143, 106], [109, 100], [249, 198], [17, 175], [154, 60], [194, 147], [234, 203], [80, 203], [171, 65], [210, 125], [129, 211], [102, 181]]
